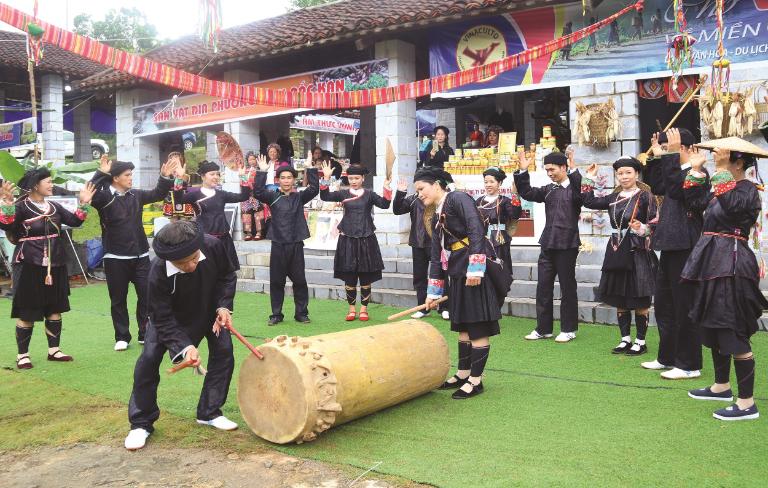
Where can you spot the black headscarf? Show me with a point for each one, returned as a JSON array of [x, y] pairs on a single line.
[[433, 174], [497, 173], [355, 169], [180, 250], [628, 162], [32, 177], [207, 167]]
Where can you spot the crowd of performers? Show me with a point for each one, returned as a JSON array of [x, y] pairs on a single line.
[[704, 285]]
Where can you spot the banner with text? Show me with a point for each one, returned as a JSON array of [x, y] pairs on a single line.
[[326, 123], [635, 44], [201, 110], [17, 133]]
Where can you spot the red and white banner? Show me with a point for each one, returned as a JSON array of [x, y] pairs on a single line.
[[326, 123]]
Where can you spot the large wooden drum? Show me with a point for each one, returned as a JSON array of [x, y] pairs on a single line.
[[305, 386]]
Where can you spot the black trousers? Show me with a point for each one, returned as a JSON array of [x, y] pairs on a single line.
[[120, 273], [560, 263], [142, 408], [287, 260], [679, 337]]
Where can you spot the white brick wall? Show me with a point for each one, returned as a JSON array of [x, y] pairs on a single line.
[[143, 152], [52, 98]]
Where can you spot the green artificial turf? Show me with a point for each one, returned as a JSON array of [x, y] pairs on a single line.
[[552, 414]]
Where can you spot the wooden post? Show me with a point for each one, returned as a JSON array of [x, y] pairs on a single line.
[[33, 97]]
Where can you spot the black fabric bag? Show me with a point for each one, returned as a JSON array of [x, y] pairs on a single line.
[[501, 278], [618, 254]]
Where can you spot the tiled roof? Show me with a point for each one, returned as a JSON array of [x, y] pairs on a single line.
[[339, 21], [13, 53]]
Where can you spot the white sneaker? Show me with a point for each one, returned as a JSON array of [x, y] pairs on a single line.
[[137, 438], [446, 315], [121, 346], [680, 374], [221, 422], [535, 336], [565, 337], [655, 364], [419, 315]]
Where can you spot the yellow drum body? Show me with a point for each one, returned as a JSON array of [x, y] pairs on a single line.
[[306, 385]]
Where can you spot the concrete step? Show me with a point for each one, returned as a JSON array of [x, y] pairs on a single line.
[[527, 289], [590, 312]]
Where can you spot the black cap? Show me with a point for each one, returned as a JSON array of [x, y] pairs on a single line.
[[557, 158], [357, 170], [628, 162], [207, 167]]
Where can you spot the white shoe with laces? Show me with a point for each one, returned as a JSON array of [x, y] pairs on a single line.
[[680, 374], [121, 346], [535, 336], [137, 438], [655, 365], [221, 422], [565, 337], [446, 315], [419, 315]]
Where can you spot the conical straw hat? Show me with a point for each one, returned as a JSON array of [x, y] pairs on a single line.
[[736, 144]]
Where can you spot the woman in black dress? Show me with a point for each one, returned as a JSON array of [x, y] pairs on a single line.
[[208, 204], [358, 257], [728, 302], [173, 206], [629, 267], [251, 211], [439, 150], [42, 291], [500, 214], [459, 250]]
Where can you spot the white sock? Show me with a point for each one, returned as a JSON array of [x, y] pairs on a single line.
[[627, 338], [640, 342]]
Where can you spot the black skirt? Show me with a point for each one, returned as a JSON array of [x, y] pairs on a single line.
[[473, 309], [229, 245], [33, 299], [357, 255], [505, 254], [634, 288], [731, 302]]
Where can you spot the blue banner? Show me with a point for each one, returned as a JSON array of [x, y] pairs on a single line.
[[17, 133], [636, 44]]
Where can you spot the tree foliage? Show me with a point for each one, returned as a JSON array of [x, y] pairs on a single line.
[[126, 29]]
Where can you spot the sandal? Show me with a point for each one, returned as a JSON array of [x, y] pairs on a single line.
[[364, 316], [257, 237], [60, 357], [27, 365], [247, 237], [351, 316]]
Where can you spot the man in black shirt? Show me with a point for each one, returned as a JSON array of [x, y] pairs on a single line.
[[287, 233], [675, 235], [559, 243], [126, 258], [191, 289]]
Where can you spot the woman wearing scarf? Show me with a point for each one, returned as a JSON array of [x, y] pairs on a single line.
[[727, 299], [440, 150], [629, 268], [42, 292], [458, 250], [358, 257], [208, 204], [500, 214]]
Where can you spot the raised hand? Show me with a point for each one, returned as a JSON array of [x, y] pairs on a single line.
[[169, 168], [241, 169], [673, 140], [523, 161], [327, 170], [571, 160], [387, 182], [262, 162], [105, 164], [592, 171], [6, 192], [180, 171], [402, 184], [722, 158], [697, 159], [309, 162], [87, 192], [656, 148]]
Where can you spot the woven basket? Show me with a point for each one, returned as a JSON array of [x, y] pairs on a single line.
[[598, 125]]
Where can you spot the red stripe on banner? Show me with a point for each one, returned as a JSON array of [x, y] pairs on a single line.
[[146, 69]]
